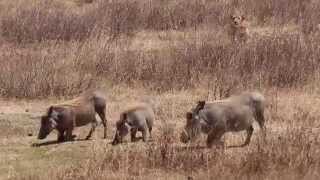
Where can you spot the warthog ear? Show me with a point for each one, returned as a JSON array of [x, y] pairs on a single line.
[[201, 104], [122, 120], [123, 117], [189, 115], [50, 110], [44, 119]]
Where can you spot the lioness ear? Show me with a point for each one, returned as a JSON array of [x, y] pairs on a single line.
[[189, 115], [243, 17]]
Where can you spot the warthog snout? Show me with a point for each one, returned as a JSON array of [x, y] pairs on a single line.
[[184, 138], [122, 131], [115, 139], [192, 129], [47, 125], [43, 133], [41, 136]]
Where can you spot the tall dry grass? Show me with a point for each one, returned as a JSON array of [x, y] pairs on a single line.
[[50, 69], [91, 34], [34, 21]]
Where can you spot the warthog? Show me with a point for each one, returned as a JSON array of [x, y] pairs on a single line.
[[77, 112], [233, 114], [139, 118]]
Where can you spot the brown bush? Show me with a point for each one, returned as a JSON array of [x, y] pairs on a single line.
[[44, 20], [281, 61], [39, 73]]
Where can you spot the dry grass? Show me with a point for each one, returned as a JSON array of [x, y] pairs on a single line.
[[289, 152], [54, 69], [176, 52], [84, 44]]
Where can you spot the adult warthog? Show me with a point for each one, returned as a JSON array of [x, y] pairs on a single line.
[[233, 114], [139, 118], [66, 116]]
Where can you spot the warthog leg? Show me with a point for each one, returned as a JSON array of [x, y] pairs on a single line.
[[144, 135], [102, 115], [150, 135], [93, 128], [214, 136], [133, 133], [69, 136], [261, 121], [61, 136], [249, 134]]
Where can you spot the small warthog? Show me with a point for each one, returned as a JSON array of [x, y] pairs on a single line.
[[139, 118], [233, 114], [78, 112]]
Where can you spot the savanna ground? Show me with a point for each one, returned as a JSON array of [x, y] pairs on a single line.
[[176, 52]]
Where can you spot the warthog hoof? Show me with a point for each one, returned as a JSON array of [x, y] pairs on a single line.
[[35, 145]]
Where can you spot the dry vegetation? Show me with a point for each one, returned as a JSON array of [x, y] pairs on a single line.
[[176, 51]]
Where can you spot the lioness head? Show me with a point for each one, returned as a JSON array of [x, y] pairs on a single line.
[[237, 20], [239, 28]]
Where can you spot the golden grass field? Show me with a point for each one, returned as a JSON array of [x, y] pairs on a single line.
[[176, 53], [292, 144]]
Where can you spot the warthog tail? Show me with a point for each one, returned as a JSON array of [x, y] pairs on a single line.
[[260, 119], [259, 106]]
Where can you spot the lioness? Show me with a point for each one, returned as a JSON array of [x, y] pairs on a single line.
[[239, 28]]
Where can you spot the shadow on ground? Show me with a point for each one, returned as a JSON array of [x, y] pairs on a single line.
[[47, 143]]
